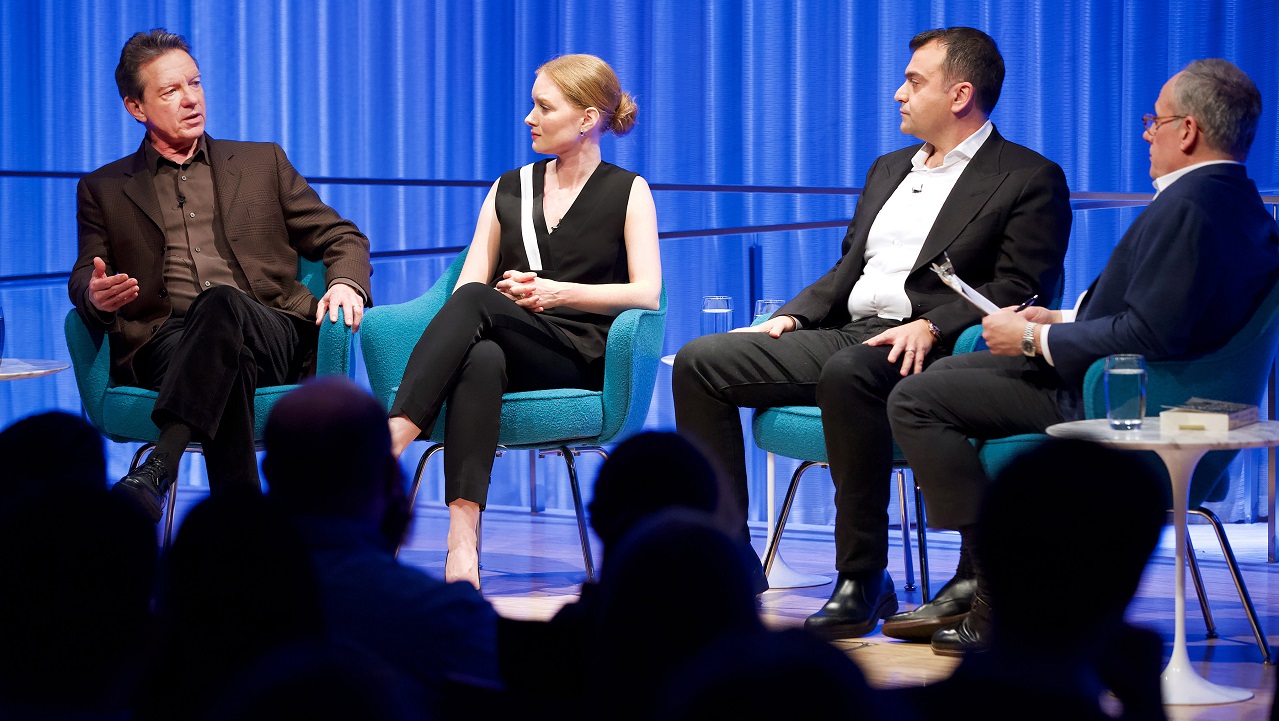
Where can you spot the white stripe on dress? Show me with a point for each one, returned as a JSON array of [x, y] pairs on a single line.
[[526, 214]]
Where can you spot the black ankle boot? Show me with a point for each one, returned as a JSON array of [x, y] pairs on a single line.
[[855, 606], [147, 485], [972, 635]]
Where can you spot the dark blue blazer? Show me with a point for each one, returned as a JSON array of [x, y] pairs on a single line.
[[1183, 280]]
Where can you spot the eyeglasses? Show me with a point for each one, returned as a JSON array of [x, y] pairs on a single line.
[[1152, 121]]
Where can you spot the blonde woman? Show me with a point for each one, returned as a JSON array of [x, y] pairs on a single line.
[[561, 247]]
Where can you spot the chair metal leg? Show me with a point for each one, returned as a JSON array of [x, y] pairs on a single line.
[[137, 457], [773, 542], [1233, 565], [1192, 561], [905, 516], [532, 483], [921, 526], [581, 513], [169, 512], [417, 482]]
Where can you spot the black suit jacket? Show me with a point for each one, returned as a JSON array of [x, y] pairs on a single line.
[[268, 213], [1005, 226]]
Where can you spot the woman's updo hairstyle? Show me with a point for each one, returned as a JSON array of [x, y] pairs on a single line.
[[589, 82]]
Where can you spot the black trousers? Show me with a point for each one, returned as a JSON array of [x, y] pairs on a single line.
[[831, 368], [479, 346], [206, 366], [971, 395]]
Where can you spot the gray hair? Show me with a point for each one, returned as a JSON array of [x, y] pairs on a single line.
[[1224, 102], [141, 49]]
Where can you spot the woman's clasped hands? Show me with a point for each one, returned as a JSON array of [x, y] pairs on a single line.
[[528, 290]]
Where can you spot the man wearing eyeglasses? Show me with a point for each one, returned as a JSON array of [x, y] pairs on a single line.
[[1188, 274], [999, 211]]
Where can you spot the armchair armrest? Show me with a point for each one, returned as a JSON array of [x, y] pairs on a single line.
[[1170, 382], [389, 332], [91, 363], [631, 356], [333, 351], [970, 340]]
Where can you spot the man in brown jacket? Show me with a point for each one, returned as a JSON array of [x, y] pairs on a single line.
[[188, 253]]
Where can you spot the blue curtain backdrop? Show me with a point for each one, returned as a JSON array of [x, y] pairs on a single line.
[[376, 100]]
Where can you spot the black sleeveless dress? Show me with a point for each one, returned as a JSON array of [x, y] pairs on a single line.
[[587, 247], [557, 348]]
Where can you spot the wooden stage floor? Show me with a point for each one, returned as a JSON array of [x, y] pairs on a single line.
[[533, 564]]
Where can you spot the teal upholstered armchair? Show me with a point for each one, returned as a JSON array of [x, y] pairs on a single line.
[[1237, 372], [796, 432], [566, 421], [123, 413]]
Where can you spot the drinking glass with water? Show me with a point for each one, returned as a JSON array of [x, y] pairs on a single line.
[[765, 308], [1125, 391], [717, 314]]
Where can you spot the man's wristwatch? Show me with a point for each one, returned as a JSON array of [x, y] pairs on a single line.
[[934, 330], [1028, 340]]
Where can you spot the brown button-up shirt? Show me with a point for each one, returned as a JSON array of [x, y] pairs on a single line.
[[197, 256]]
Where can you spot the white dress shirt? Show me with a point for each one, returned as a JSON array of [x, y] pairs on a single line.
[[898, 231]]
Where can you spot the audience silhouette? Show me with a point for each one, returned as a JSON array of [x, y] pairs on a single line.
[[646, 473], [78, 567], [1066, 512], [675, 584], [771, 675], [329, 465], [319, 681], [293, 603], [52, 449], [236, 585]]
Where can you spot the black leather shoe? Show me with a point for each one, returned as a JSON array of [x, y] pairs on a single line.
[[948, 607], [855, 607], [972, 635], [146, 485]]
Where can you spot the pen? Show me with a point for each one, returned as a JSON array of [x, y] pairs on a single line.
[[1029, 302]]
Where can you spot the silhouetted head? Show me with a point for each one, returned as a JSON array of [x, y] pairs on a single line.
[[238, 585], [50, 450], [645, 474], [328, 451], [318, 680], [78, 568], [1068, 515], [730, 677], [674, 584]]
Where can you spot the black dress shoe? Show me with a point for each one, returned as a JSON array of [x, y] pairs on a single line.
[[970, 636], [948, 607], [146, 485], [855, 607]]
